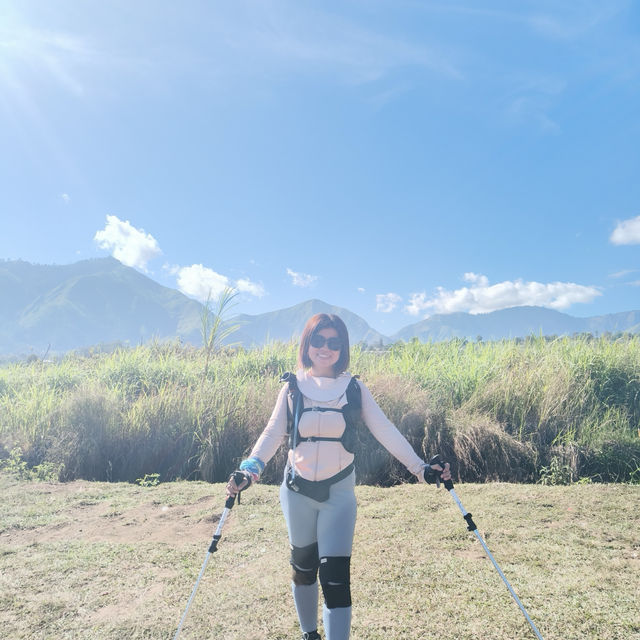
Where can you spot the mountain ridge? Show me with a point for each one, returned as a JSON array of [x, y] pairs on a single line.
[[517, 322], [98, 301]]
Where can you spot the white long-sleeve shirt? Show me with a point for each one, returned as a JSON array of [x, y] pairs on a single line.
[[321, 460]]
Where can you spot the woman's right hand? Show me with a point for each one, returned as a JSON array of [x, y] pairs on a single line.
[[238, 481]]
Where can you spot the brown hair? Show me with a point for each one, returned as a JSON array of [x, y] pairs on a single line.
[[317, 323]]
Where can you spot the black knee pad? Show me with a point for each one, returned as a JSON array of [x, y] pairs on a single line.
[[335, 578], [305, 561]]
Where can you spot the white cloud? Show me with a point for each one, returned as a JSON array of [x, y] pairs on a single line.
[[481, 297], [476, 278], [66, 198], [301, 279], [54, 54], [627, 232], [418, 303], [387, 302], [573, 20], [201, 282], [533, 101], [133, 247], [622, 274], [361, 289], [171, 269], [258, 38], [292, 36], [245, 285]]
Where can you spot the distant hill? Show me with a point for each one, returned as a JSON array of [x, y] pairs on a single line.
[[94, 301], [66, 307], [287, 324], [514, 323]]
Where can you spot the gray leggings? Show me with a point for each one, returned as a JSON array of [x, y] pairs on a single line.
[[331, 525]]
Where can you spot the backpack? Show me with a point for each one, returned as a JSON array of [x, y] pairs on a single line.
[[351, 412]]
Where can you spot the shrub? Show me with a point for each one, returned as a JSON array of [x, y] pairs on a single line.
[[86, 438], [498, 411], [613, 461], [483, 451], [556, 473]]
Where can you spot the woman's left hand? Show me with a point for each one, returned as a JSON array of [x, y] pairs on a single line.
[[446, 472], [433, 470]]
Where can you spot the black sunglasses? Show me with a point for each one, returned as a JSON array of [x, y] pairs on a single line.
[[317, 342]]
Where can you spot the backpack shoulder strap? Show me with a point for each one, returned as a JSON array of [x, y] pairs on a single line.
[[294, 401], [352, 412], [354, 394]]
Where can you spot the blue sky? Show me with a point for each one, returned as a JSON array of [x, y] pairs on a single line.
[[398, 158]]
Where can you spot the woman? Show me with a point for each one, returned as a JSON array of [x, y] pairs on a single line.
[[317, 495]]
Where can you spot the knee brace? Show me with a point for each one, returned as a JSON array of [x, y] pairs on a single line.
[[335, 578], [305, 561]]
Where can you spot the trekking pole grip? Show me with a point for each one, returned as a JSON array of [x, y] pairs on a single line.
[[448, 484], [238, 477]]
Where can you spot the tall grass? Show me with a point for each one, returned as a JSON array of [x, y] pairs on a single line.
[[508, 410]]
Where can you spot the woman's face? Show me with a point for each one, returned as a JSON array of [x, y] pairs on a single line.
[[323, 357]]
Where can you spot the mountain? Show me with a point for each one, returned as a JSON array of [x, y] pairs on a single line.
[[514, 323], [287, 324], [94, 301], [65, 307], [628, 321]]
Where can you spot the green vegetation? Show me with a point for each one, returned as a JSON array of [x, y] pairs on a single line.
[[555, 411], [102, 561]]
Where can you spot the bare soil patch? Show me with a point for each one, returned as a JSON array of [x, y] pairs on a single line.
[[150, 520]]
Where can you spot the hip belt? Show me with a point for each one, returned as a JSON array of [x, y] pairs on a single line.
[[316, 490]]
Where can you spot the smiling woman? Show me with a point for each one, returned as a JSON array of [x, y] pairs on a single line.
[[317, 410]]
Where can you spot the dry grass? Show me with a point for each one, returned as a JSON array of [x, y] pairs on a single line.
[[104, 561], [505, 410]]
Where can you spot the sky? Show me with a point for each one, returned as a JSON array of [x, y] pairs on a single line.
[[399, 158]]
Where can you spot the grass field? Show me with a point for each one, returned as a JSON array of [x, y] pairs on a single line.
[[101, 561], [552, 410]]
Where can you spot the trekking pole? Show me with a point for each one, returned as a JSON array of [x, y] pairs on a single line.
[[213, 547], [471, 525]]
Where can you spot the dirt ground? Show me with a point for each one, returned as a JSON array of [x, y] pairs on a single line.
[[150, 520], [102, 561]]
